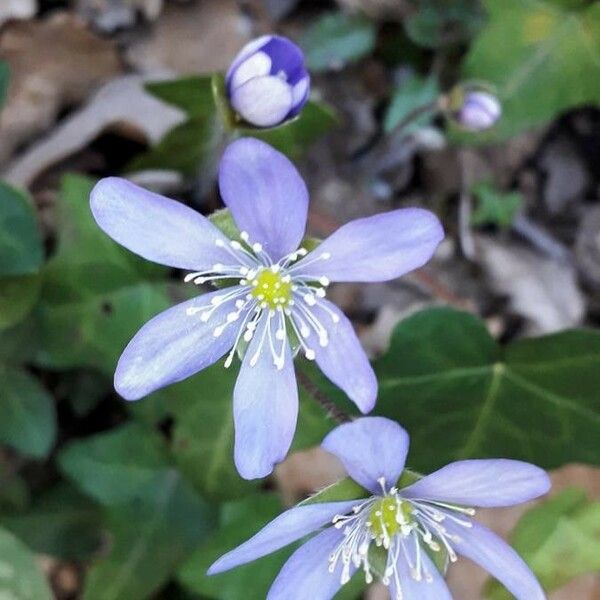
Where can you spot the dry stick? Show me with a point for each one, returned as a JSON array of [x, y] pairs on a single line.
[[328, 405]]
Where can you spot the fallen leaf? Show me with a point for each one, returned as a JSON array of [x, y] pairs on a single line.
[[110, 15], [542, 290], [122, 103], [54, 64], [197, 38], [17, 9]]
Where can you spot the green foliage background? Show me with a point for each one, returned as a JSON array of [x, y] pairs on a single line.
[[150, 496]]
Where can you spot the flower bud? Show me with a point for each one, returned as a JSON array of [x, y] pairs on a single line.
[[479, 111], [267, 82]]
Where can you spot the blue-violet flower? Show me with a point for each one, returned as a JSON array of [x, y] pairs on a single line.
[[479, 111], [275, 304], [268, 83], [411, 524]]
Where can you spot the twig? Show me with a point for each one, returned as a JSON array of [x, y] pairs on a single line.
[[332, 409]]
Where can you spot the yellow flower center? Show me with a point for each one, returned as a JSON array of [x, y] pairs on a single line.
[[272, 289], [387, 515]]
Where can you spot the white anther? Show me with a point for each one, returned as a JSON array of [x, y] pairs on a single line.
[[326, 256], [244, 235], [310, 299], [257, 247], [324, 281], [280, 334], [310, 354], [235, 245]]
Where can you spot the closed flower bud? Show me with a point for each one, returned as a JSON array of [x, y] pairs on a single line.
[[267, 82], [479, 111]]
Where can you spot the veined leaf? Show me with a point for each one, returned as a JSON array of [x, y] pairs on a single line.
[[559, 540], [461, 395], [551, 64]]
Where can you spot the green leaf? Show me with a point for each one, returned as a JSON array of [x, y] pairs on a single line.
[[551, 64], [203, 433], [18, 296], [411, 95], [21, 251], [342, 490], [149, 541], [120, 466], [461, 395], [559, 540], [20, 576], [437, 23], [96, 294], [338, 39], [294, 136], [61, 523], [28, 420], [495, 208], [190, 148], [238, 521], [192, 94], [4, 79]]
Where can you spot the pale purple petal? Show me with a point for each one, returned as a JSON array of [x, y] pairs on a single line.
[[428, 588], [265, 408], [300, 93], [489, 483], [288, 527], [343, 359], [370, 448], [266, 195], [246, 52], [172, 346], [263, 101], [376, 248], [161, 230], [485, 548], [306, 576]]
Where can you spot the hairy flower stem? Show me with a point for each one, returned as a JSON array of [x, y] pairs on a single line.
[[328, 405]]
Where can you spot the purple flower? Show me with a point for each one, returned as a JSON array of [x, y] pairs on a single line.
[[479, 111], [275, 305], [407, 526], [267, 82]]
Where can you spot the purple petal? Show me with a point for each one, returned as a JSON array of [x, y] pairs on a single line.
[[266, 195], [343, 359], [485, 548], [479, 111], [172, 346], [432, 588], [263, 101], [159, 229], [286, 59], [306, 573], [488, 483], [265, 408], [370, 448], [376, 248], [288, 527]]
